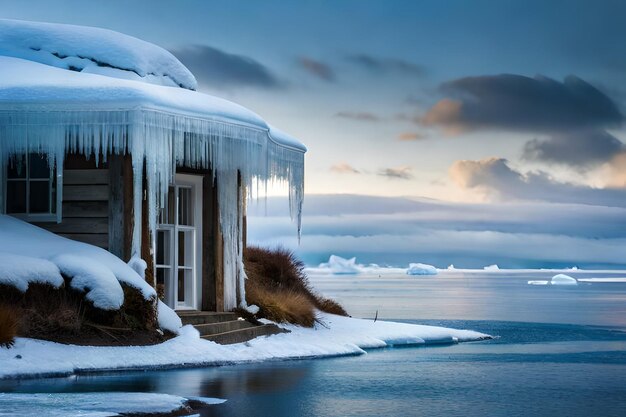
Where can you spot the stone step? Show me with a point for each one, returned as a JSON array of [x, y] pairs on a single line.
[[244, 335], [225, 326], [205, 317]]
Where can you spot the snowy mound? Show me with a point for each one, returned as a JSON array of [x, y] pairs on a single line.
[[562, 279], [93, 50], [29, 254], [421, 269], [338, 265]]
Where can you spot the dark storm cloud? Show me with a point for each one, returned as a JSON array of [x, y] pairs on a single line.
[[216, 68], [317, 68], [382, 65], [579, 149], [363, 116], [496, 177], [519, 103]]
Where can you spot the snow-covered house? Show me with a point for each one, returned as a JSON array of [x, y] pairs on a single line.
[[104, 140]]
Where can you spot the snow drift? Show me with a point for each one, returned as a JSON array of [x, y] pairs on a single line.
[[29, 254], [93, 50]]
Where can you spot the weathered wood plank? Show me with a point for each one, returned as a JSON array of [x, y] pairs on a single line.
[[96, 239], [85, 209], [78, 225], [209, 301], [116, 205], [85, 193], [86, 176]]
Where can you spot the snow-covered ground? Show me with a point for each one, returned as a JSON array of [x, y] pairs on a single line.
[[95, 404], [337, 336]]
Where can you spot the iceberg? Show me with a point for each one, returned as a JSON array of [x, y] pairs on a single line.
[[492, 268], [421, 269], [338, 265], [562, 279]]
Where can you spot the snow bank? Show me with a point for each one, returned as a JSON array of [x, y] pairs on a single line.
[[91, 269], [341, 336], [562, 279], [421, 269], [93, 50], [168, 319], [19, 271], [95, 404]]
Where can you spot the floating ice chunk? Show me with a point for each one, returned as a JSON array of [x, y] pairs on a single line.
[[421, 269], [538, 282], [562, 279], [451, 267], [338, 265], [168, 319], [493, 267]]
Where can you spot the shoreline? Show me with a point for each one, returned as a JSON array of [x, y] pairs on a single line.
[[343, 337]]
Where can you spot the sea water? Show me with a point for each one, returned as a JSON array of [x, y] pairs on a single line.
[[559, 351]]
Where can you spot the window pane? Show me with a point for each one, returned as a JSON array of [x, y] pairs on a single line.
[[184, 207], [39, 166], [161, 276], [39, 197], [163, 248], [17, 167], [16, 197], [181, 285], [185, 248]]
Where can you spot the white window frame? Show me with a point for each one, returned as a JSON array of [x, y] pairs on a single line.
[[56, 202], [194, 182]]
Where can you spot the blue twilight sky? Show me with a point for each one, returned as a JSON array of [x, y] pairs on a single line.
[[509, 113]]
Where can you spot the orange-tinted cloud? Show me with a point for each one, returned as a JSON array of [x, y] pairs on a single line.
[[344, 168]]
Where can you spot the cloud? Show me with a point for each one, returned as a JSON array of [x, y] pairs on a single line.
[[363, 116], [218, 69], [317, 68], [385, 65], [411, 136], [617, 171], [344, 168], [519, 103], [395, 230], [579, 149], [402, 173], [497, 179]]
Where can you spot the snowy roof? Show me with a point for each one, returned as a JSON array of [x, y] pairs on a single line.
[[93, 50], [28, 85]]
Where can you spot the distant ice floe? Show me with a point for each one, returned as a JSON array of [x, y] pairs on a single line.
[[493, 267], [337, 265], [559, 279], [421, 269]]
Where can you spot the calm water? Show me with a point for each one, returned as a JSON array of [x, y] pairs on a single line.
[[561, 351]]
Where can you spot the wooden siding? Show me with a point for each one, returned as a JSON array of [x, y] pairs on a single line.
[[85, 215]]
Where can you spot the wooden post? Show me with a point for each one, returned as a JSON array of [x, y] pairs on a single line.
[[146, 236], [209, 227]]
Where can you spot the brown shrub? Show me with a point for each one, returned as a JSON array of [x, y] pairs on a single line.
[[281, 306], [277, 277], [8, 326]]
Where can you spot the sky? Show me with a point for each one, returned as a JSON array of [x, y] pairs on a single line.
[[502, 119]]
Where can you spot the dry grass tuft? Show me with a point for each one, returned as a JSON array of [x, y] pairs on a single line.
[[281, 306], [278, 285], [9, 323]]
